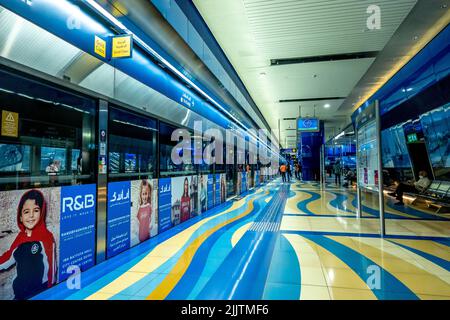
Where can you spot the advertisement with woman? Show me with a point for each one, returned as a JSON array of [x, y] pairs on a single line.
[[203, 192], [181, 200], [43, 232], [144, 210], [193, 188], [223, 188]]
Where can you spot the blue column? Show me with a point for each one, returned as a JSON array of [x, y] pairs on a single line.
[[309, 150]]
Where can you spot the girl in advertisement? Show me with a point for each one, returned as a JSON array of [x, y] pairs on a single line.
[[144, 214], [34, 249], [185, 202]]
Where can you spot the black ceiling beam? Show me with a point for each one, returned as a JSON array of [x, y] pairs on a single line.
[[325, 58], [312, 99]]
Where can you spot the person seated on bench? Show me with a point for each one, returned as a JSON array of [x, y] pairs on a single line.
[[414, 187], [349, 177]]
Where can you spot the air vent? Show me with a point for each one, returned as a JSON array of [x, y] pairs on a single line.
[[325, 58], [312, 99]]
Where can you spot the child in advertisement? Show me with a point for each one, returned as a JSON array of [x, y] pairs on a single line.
[[144, 214], [33, 252]]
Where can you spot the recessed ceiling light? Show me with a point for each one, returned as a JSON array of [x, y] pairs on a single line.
[[444, 6], [416, 38], [327, 105]]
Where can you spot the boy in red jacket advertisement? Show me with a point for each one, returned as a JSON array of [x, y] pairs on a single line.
[[33, 252]]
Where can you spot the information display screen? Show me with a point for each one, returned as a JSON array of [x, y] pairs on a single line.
[[308, 125]]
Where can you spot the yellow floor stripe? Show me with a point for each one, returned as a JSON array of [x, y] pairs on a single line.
[[291, 203], [428, 246], [415, 259], [170, 281], [348, 203], [313, 280], [158, 256], [371, 201], [322, 205], [415, 278], [237, 235], [342, 280]]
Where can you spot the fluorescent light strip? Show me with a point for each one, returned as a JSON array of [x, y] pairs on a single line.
[[94, 5]]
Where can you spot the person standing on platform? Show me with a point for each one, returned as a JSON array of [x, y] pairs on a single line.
[[288, 172], [283, 172], [337, 172], [297, 171]]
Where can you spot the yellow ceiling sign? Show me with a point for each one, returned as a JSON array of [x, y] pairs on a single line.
[[100, 47], [121, 46], [10, 124]]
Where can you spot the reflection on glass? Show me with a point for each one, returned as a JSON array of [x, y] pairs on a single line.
[[50, 155], [14, 158]]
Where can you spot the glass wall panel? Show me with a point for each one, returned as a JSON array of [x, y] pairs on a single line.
[[166, 166], [132, 146], [48, 135]]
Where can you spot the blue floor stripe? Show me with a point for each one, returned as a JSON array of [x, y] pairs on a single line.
[[442, 240], [194, 271], [339, 202], [302, 205], [284, 278], [243, 273], [391, 287], [436, 260]]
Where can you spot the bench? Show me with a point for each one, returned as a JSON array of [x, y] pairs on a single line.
[[437, 196]]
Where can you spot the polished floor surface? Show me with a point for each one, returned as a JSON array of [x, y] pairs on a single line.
[[283, 241]]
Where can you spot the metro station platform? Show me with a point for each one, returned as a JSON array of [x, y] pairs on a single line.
[[282, 241]]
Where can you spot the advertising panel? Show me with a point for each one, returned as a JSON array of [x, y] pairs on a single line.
[[165, 205], [144, 210], [203, 192], [183, 199], [244, 185], [77, 228], [217, 189], [256, 178], [118, 221], [210, 191], [368, 157], [193, 189], [48, 233], [223, 187], [239, 183]]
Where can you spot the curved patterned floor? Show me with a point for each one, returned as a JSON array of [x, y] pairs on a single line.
[[282, 241]]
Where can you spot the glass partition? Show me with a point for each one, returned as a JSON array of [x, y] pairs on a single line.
[[132, 146], [48, 135]]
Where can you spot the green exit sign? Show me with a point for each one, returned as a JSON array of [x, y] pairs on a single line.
[[412, 138]]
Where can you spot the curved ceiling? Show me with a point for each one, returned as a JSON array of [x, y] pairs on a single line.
[[253, 33]]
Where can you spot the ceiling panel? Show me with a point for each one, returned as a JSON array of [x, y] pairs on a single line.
[[252, 32]]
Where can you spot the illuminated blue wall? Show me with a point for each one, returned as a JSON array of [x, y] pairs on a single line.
[[309, 146]]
